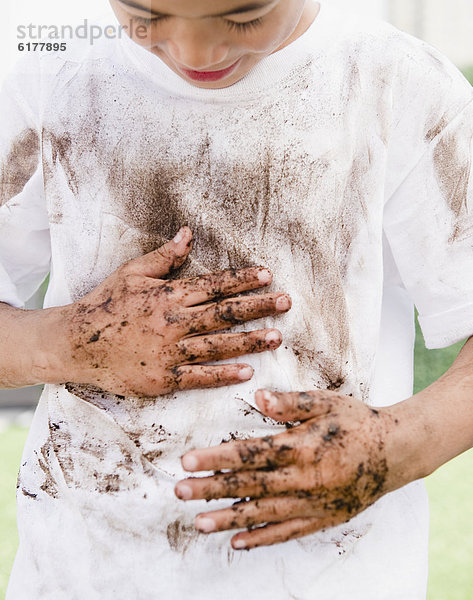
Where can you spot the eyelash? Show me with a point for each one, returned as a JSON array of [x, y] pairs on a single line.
[[232, 25], [146, 21]]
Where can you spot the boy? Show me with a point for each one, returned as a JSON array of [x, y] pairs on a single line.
[[332, 152]]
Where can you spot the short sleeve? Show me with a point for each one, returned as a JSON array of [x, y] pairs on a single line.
[[428, 217], [24, 226]]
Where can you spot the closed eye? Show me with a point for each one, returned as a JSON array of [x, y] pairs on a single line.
[[232, 25], [149, 21]]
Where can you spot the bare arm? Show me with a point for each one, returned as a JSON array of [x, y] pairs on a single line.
[[27, 346], [441, 415]]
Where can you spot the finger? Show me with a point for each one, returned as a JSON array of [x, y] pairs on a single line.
[[256, 512], [197, 290], [256, 453], [225, 314], [171, 255], [227, 345], [255, 484], [277, 533], [298, 406], [202, 376]]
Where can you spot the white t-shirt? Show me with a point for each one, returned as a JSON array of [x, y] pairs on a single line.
[[342, 163]]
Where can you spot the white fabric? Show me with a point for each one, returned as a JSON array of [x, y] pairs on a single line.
[[342, 163]]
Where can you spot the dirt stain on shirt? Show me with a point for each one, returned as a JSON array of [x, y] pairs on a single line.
[[452, 170], [19, 165], [180, 536]]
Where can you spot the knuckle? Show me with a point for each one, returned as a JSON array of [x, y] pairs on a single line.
[[303, 455], [172, 316], [186, 353], [131, 280], [176, 379], [229, 311], [127, 268], [165, 254]]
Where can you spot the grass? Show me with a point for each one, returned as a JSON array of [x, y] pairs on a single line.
[[468, 72], [11, 446], [451, 539]]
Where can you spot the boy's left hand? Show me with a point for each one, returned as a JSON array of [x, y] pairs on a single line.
[[339, 460]]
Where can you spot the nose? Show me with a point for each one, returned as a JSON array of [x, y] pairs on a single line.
[[195, 46]]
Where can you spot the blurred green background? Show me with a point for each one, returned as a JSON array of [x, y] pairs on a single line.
[[451, 539]]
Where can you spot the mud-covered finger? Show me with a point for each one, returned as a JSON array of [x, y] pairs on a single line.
[[234, 311], [159, 262], [191, 377], [255, 453], [277, 533], [241, 484], [252, 513], [196, 290], [299, 406], [226, 345]]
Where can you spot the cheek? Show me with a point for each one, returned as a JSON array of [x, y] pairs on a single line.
[[269, 39], [139, 33], [265, 41]]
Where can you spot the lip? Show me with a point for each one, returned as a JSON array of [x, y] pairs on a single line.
[[210, 75]]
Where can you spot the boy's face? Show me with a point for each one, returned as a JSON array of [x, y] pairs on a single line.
[[214, 43]]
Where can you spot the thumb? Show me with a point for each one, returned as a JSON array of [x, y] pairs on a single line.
[[171, 255], [298, 406]]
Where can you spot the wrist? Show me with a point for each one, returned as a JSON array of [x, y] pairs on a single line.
[[405, 444], [51, 361]]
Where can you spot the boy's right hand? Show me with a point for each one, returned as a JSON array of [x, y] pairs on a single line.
[[137, 334]]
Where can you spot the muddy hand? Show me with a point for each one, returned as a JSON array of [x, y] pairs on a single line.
[[141, 335], [318, 474]]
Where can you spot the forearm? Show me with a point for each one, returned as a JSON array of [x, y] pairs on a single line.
[[27, 346], [437, 423]]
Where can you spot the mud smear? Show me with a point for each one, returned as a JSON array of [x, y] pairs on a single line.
[[61, 153], [180, 536], [21, 486], [452, 170], [353, 207], [49, 485], [435, 128], [154, 442], [87, 462], [20, 165], [154, 204], [351, 84], [28, 494]]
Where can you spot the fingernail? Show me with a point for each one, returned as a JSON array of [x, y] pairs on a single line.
[[283, 303], [205, 524], [245, 373], [273, 337], [269, 399], [189, 462], [264, 276], [179, 236], [184, 492], [238, 544]]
